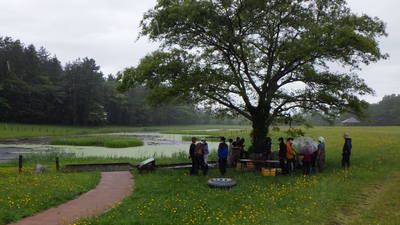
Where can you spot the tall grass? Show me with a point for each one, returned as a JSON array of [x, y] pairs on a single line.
[[109, 142]]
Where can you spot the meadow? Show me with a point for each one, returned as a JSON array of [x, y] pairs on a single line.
[[336, 196], [367, 193]]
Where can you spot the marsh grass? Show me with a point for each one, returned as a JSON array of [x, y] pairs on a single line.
[[109, 142], [13, 130]]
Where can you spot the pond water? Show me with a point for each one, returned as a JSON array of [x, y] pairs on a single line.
[[155, 145]]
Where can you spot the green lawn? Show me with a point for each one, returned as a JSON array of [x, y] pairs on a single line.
[[27, 193], [173, 197], [109, 142]]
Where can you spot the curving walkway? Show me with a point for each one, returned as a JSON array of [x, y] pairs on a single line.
[[112, 189]]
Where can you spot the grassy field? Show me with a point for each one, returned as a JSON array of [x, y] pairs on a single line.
[[367, 193], [109, 142], [28, 193], [173, 197]]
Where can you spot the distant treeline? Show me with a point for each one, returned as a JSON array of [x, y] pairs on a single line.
[[36, 88], [384, 113]]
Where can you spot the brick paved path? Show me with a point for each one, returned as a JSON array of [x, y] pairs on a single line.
[[113, 188]]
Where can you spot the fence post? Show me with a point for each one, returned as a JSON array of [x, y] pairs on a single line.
[[20, 164], [57, 164]]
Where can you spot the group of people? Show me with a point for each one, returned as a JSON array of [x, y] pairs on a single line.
[[228, 154], [311, 160], [198, 153], [308, 159]]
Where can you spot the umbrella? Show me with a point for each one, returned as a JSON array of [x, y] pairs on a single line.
[[305, 145]]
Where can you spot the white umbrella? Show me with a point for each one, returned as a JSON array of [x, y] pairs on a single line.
[[305, 145]]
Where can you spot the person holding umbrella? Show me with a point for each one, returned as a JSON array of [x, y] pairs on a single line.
[[306, 146]]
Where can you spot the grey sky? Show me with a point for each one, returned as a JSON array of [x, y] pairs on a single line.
[[107, 30]]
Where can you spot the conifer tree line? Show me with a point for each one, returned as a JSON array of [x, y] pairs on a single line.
[[36, 88]]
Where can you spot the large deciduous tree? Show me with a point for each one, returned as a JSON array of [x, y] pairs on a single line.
[[261, 59]]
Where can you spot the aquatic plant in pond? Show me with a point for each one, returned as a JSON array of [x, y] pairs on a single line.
[[102, 141]]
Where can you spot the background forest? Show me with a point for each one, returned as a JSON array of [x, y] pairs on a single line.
[[36, 88]]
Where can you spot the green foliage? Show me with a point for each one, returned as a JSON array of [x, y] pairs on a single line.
[[25, 194], [386, 112], [109, 142], [295, 132]]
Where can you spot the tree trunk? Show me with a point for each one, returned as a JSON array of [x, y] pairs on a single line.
[[260, 131]]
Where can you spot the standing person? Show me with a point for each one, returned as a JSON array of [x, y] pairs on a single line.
[[199, 158], [268, 148], [321, 154], [230, 152], [236, 151], [243, 153], [314, 156], [290, 155], [222, 156], [307, 158], [206, 152], [191, 156], [346, 151], [282, 155]]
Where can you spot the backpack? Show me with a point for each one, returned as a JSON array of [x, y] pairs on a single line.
[[199, 149]]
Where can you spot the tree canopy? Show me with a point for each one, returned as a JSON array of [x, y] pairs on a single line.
[[259, 59]]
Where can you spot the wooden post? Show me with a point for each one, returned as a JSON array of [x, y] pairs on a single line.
[[57, 164], [20, 164]]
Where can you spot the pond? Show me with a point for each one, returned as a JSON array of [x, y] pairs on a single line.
[[155, 145]]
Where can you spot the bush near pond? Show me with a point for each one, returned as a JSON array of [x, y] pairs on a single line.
[[109, 142]]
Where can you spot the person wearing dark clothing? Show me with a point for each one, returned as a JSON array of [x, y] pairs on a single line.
[[222, 156], [243, 153], [267, 148], [282, 155], [346, 151], [307, 158], [199, 159], [314, 156], [191, 155], [235, 152]]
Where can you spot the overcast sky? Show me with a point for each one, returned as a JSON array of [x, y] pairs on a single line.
[[107, 30]]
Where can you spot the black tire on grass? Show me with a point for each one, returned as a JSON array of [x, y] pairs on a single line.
[[221, 183]]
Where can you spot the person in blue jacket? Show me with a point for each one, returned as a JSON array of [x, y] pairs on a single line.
[[222, 156], [346, 151]]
